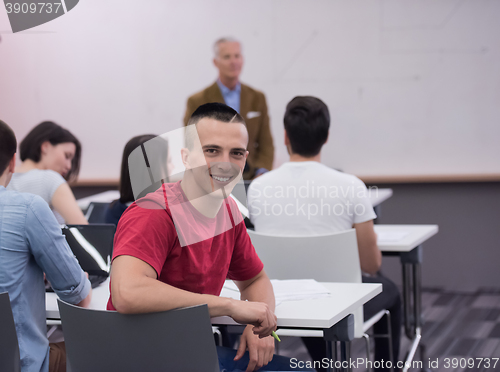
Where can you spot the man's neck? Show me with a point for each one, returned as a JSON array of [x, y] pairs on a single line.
[[5, 178], [207, 205], [300, 158], [229, 83]]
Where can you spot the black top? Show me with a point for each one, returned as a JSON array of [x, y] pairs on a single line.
[[115, 211]]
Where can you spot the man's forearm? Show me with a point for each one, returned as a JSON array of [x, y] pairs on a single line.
[[260, 290], [147, 295]]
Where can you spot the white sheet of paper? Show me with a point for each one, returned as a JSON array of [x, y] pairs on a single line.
[[290, 290]]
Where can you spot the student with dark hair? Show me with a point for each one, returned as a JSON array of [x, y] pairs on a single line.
[[31, 244], [157, 147], [175, 247], [50, 156], [305, 197], [306, 140]]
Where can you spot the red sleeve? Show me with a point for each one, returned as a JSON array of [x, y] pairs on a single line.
[[147, 234], [245, 264]]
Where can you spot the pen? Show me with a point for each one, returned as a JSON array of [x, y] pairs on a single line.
[[275, 336]]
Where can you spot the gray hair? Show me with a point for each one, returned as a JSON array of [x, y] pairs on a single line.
[[223, 40]]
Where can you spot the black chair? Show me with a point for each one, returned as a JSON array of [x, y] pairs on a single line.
[[9, 346], [102, 341]]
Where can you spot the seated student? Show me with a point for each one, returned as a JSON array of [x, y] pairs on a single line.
[[340, 202], [50, 156], [175, 247], [117, 207], [31, 244]]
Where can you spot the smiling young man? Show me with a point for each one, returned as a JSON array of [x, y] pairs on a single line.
[[175, 247], [248, 102]]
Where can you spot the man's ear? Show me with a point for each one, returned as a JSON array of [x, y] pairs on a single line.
[[185, 157], [287, 144], [327, 136], [12, 164], [216, 63]]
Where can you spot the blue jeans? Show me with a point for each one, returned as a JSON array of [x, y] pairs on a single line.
[[227, 364]]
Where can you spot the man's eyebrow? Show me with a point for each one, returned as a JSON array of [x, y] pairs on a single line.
[[211, 147], [239, 149], [220, 148]]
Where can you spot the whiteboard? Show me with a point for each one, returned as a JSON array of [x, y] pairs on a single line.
[[413, 87]]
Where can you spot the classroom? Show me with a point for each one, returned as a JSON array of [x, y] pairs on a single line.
[[370, 124]]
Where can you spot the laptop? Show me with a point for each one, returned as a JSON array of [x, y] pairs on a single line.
[[92, 246]]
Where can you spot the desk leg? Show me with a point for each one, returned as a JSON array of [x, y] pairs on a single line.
[[345, 349], [331, 354], [343, 331], [407, 297], [412, 283]]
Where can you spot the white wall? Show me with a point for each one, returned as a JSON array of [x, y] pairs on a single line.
[[413, 86]]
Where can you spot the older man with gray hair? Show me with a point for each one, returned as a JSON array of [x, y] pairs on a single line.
[[248, 102]]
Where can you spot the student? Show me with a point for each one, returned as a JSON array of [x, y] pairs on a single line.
[[305, 197], [248, 102], [117, 207], [31, 244], [50, 156], [175, 247]]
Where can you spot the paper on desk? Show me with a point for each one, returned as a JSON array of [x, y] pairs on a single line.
[[391, 236], [292, 290]]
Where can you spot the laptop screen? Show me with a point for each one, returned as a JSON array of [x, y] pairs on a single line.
[[92, 246]]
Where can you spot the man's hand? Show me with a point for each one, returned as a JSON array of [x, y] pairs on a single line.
[[260, 350], [257, 314]]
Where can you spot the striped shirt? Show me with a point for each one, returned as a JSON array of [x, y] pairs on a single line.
[[43, 183]]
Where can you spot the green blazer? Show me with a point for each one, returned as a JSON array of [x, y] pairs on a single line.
[[253, 108]]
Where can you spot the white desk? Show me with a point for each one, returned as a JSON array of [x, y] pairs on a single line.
[[378, 196], [416, 235], [100, 296], [332, 314], [321, 313], [409, 249], [103, 197]]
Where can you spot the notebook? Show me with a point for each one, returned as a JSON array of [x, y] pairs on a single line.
[[92, 246]]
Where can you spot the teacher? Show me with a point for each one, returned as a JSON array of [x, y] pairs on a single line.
[[248, 102]]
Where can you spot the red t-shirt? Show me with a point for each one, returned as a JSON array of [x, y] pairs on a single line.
[[209, 251]]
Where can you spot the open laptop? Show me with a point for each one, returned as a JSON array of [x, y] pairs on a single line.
[[92, 246]]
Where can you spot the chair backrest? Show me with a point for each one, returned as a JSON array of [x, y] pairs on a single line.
[[176, 340], [325, 258], [96, 212], [9, 346]]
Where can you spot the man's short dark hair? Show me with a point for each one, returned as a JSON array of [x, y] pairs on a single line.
[[216, 111], [307, 122], [8, 146]]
